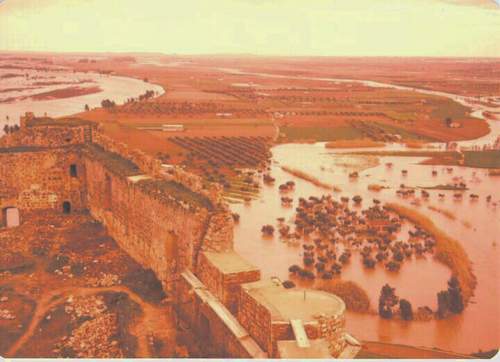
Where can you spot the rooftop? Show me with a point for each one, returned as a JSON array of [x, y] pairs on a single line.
[[229, 262], [295, 303]]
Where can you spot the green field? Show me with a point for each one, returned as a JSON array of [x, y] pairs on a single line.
[[482, 159], [320, 134]]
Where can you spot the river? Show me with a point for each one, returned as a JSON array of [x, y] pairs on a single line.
[[29, 82]]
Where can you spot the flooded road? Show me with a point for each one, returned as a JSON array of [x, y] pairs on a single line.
[[476, 224]]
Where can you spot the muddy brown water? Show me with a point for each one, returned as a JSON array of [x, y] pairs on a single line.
[[476, 226], [28, 81]]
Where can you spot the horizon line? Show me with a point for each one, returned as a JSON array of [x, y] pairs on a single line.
[[67, 52]]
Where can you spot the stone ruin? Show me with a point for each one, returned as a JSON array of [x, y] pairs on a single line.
[[176, 225]]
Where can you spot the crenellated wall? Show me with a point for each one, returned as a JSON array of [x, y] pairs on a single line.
[[165, 218], [161, 234]]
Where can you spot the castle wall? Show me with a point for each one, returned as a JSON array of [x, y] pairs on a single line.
[[170, 222], [160, 234], [47, 136], [46, 186]]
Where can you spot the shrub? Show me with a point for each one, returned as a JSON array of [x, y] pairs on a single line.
[[145, 283], [57, 262]]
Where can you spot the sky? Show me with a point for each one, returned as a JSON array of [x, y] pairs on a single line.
[[262, 27]]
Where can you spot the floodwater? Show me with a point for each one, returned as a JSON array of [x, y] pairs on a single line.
[[29, 82], [476, 226]]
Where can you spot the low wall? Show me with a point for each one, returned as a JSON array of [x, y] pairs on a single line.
[[256, 318], [221, 334]]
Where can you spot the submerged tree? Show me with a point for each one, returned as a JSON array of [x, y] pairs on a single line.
[[443, 298], [387, 301], [451, 300], [455, 296], [406, 310]]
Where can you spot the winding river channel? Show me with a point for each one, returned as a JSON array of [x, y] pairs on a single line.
[[19, 88]]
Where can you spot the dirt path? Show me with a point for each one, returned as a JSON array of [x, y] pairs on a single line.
[[154, 319]]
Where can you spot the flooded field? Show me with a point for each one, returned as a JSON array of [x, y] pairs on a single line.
[[56, 91], [475, 223]]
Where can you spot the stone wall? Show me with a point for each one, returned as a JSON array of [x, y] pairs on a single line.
[[225, 284], [332, 329], [220, 334], [167, 220], [256, 318], [45, 186], [148, 164], [220, 232], [159, 234], [46, 136], [152, 166]]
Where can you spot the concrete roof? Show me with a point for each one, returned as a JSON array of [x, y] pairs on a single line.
[[138, 178], [290, 349], [229, 262], [286, 304]]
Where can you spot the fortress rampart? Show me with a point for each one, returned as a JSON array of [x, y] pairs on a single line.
[[173, 223]]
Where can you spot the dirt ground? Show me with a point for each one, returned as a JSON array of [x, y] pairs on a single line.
[[67, 290]]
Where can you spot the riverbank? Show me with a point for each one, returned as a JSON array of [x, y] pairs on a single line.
[[448, 251]]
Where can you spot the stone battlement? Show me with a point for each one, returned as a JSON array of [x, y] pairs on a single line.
[[171, 222]]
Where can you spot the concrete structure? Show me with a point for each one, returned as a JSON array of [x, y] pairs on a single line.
[[173, 223]]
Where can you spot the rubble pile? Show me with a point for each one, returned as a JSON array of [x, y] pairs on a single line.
[[6, 314], [94, 339], [104, 280], [79, 307]]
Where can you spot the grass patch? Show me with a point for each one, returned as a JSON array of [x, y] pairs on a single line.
[[354, 144], [305, 176], [448, 251], [482, 159], [404, 133], [164, 190], [443, 108], [113, 161], [64, 122], [444, 212], [355, 298], [321, 134]]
